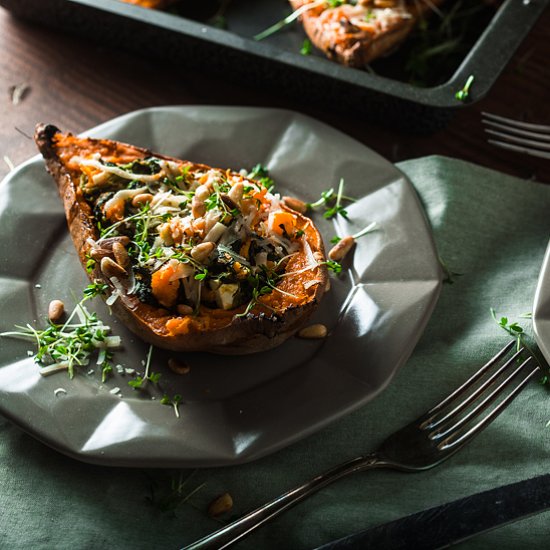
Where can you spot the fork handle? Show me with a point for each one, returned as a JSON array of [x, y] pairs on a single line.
[[242, 527]]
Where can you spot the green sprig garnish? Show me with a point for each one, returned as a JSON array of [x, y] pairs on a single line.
[[71, 344], [516, 331], [139, 382], [260, 174], [287, 20], [332, 202], [173, 402], [464, 93], [306, 47], [368, 229], [335, 267]]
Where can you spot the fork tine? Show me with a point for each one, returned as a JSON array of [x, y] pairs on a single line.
[[520, 140], [457, 440], [538, 136], [469, 383], [437, 420], [517, 135], [544, 128], [484, 403], [519, 149]]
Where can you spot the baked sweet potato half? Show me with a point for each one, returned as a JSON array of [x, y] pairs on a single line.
[[356, 32], [196, 258]]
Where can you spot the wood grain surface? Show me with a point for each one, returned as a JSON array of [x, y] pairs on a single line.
[[76, 84]]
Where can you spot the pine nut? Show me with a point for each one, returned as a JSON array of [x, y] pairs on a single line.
[[110, 268], [201, 252], [121, 254], [141, 199], [295, 204], [220, 505], [56, 309], [313, 332], [236, 192], [198, 208], [178, 366], [340, 249], [184, 309]]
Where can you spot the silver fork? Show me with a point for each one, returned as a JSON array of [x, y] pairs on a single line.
[[523, 137], [423, 444]]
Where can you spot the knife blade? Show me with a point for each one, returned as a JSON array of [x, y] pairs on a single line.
[[456, 521]]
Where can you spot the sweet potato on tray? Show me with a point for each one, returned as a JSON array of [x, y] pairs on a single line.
[[152, 4], [196, 258], [356, 32]]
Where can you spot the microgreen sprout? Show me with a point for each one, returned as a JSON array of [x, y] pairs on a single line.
[[71, 345], [368, 229], [172, 494], [174, 402], [306, 47], [287, 20], [139, 382], [464, 93], [517, 332], [332, 202], [261, 174], [337, 208], [202, 275], [335, 267], [513, 329]]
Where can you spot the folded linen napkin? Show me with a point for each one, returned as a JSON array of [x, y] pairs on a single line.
[[493, 230]]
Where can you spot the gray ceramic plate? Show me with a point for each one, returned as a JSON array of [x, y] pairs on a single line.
[[235, 409], [541, 308]]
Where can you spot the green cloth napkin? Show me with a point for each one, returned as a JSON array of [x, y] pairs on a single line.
[[493, 230]]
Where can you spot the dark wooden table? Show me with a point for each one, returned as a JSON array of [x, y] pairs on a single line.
[[77, 84]]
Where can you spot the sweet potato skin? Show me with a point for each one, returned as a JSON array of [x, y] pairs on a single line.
[[236, 335]]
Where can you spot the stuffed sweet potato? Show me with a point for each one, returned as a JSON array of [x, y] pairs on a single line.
[[355, 32], [196, 258]]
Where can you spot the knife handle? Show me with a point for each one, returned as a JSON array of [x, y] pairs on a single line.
[[242, 527]]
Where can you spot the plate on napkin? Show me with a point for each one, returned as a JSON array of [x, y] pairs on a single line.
[[234, 409], [541, 307]]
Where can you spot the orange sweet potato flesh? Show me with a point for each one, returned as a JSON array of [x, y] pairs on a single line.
[[212, 330]]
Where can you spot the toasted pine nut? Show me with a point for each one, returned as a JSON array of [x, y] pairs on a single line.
[[121, 255], [295, 204], [198, 208], [110, 268], [236, 192], [178, 367], [104, 247], [220, 505], [184, 309], [202, 192], [201, 251], [313, 332], [327, 286], [109, 241], [56, 309], [341, 248], [141, 199]]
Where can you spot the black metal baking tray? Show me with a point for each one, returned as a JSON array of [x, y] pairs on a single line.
[[190, 38]]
